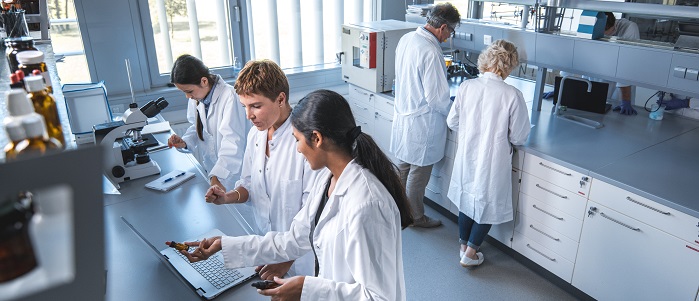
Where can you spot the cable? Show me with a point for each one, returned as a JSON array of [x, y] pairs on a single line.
[[645, 105]]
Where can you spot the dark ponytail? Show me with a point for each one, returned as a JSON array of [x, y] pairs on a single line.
[[188, 70], [329, 113]]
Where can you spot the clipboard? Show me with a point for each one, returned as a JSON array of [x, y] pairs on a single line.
[[171, 180]]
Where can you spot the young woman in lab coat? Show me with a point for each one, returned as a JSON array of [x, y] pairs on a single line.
[[217, 134], [490, 116], [276, 179], [352, 221]]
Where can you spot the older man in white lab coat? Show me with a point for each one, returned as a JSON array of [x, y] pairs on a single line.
[[419, 133]]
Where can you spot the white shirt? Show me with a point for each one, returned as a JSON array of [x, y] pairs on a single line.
[[419, 133], [224, 130], [357, 239], [276, 201], [489, 116]]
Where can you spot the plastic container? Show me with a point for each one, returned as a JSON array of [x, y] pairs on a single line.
[[31, 60], [16, 251], [45, 105], [656, 112], [15, 46]]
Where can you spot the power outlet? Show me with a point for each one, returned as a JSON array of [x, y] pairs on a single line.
[[487, 39], [117, 109]]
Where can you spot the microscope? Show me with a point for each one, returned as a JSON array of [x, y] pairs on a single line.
[[126, 149]]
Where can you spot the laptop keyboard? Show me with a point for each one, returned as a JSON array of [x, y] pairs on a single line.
[[214, 271]]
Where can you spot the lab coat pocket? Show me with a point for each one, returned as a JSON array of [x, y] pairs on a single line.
[[418, 127]]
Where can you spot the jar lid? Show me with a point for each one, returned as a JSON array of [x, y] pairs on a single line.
[[17, 102], [19, 41], [30, 57], [14, 129], [33, 125], [34, 83]]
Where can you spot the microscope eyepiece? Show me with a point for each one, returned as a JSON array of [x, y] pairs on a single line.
[[154, 107]]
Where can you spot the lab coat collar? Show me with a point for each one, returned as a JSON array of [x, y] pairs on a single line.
[[284, 129], [350, 173], [491, 75], [422, 31]]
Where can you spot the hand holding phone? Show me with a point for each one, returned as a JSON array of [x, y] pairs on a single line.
[[265, 284]]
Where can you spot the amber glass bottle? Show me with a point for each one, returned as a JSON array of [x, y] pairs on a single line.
[[31, 60], [16, 251], [45, 105], [14, 46], [35, 145], [15, 133]]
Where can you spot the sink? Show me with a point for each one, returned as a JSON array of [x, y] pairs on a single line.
[[583, 121]]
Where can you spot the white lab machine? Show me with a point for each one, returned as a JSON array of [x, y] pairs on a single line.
[[370, 52]]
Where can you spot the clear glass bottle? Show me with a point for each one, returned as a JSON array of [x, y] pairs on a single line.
[[16, 251], [45, 105], [31, 60], [35, 145], [14, 46]]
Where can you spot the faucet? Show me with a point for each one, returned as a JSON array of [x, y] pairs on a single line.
[[560, 90]]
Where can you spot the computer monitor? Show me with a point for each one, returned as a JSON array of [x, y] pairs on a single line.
[[575, 95], [66, 232]]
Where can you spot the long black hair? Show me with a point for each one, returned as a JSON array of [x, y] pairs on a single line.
[[329, 113], [188, 70]]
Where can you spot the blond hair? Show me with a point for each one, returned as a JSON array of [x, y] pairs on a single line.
[[263, 77], [500, 58]]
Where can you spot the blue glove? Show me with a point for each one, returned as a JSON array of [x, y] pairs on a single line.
[[625, 108], [675, 103], [452, 98]]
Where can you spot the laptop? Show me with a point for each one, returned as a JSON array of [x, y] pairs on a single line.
[[576, 96], [208, 278]]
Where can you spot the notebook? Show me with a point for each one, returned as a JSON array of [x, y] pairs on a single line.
[[171, 180], [575, 95], [208, 278]]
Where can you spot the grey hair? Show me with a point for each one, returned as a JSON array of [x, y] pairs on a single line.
[[500, 57], [443, 13]]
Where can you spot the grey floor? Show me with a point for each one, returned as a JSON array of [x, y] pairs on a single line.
[[432, 270]]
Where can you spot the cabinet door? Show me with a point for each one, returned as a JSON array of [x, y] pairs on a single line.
[[620, 258], [382, 132], [503, 232]]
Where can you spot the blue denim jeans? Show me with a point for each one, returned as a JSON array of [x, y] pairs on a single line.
[[471, 233]]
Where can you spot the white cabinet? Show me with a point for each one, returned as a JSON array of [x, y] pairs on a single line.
[[622, 258], [374, 113], [561, 176], [504, 232]]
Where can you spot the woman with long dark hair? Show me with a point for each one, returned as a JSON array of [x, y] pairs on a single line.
[[351, 222], [218, 131]]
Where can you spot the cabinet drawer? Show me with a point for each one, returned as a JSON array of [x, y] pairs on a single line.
[[384, 104], [553, 195], [544, 257], [547, 237], [361, 110], [659, 216], [562, 176], [361, 95], [503, 233], [550, 217]]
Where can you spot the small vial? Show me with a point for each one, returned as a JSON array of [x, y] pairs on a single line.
[[178, 246]]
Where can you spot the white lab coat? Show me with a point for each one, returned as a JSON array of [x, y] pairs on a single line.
[[275, 202], [490, 116], [419, 133], [224, 130], [357, 239]]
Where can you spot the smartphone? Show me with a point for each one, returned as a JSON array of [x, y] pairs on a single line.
[[265, 284]]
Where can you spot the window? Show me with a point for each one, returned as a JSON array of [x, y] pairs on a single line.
[[67, 43]]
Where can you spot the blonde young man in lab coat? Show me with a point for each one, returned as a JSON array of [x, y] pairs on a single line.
[[276, 179], [419, 133], [217, 134], [352, 221], [489, 116]]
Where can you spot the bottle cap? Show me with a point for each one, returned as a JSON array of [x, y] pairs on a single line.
[[20, 74], [17, 102], [33, 125], [14, 78], [34, 83], [30, 57], [14, 129], [36, 72]]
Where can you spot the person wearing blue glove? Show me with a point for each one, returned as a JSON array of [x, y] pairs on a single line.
[[625, 107], [675, 103]]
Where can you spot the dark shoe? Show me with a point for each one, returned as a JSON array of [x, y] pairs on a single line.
[[426, 222], [547, 95]]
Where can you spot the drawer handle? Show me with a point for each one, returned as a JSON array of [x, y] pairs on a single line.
[[556, 170], [541, 253], [693, 248], [361, 92], [549, 213], [619, 222], [381, 116], [544, 233], [551, 192], [389, 103], [358, 106], [649, 207], [433, 191]]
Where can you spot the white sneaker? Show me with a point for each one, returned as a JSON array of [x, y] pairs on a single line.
[[468, 262], [461, 254]]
